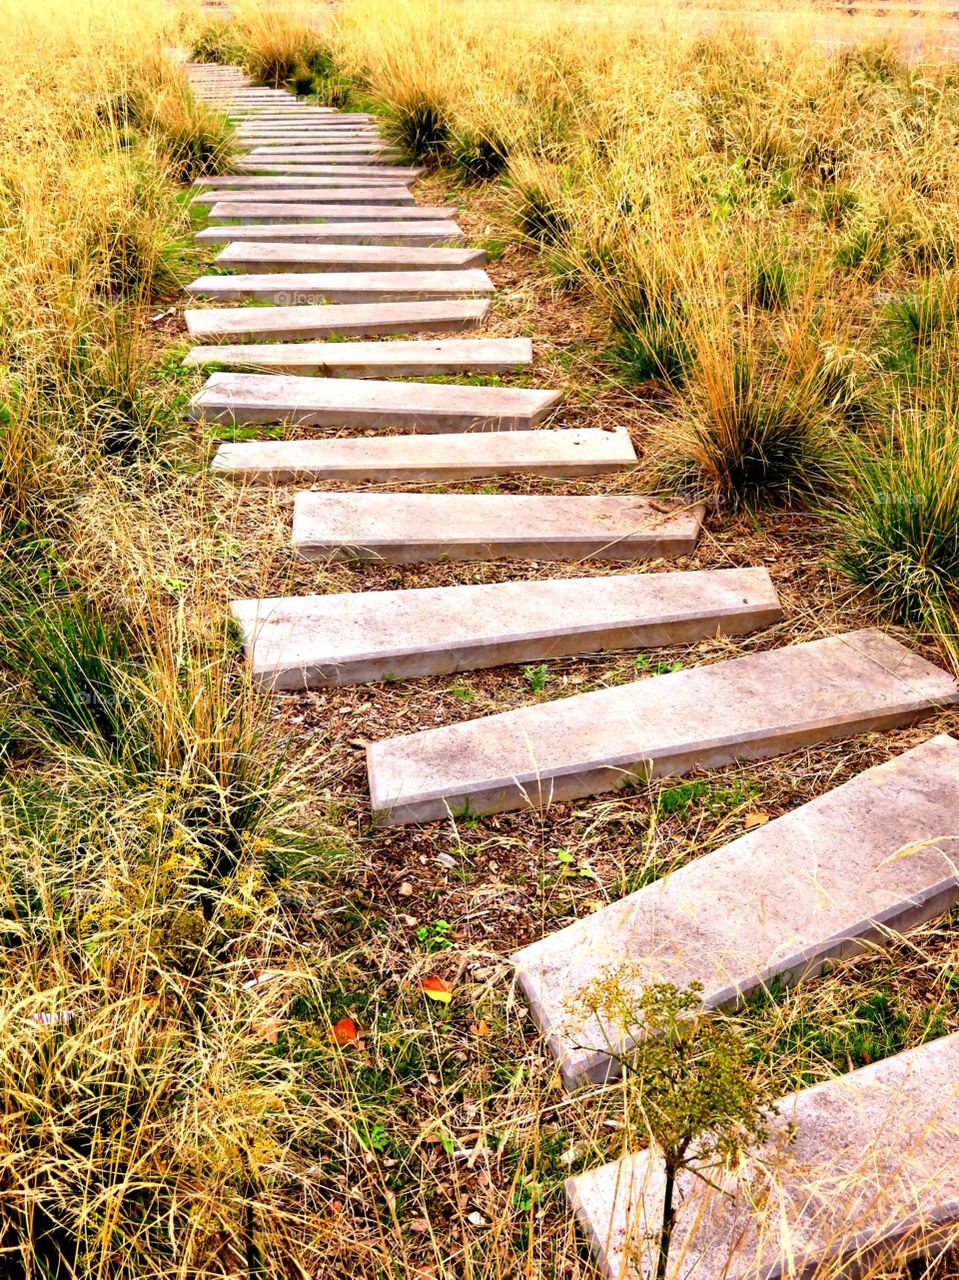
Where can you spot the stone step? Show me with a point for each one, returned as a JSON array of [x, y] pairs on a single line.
[[878, 854], [329, 169], [260, 256], [268, 324], [409, 233], [745, 709], [321, 150], [340, 402], [296, 135], [434, 243], [857, 1172], [371, 196], [234, 182], [396, 359], [292, 288], [581, 452], [410, 528], [314, 641], [325, 211]]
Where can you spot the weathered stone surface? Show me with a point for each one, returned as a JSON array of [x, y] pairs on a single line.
[[368, 196], [291, 182], [396, 359], [338, 402], [409, 528], [581, 452], [857, 1172], [296, 136], [262, 256], [878, 854], [397, 233], [363, 151], [291, 288], [329, 168], [265, 324], [278, 211], [310, 641], [745, 709]]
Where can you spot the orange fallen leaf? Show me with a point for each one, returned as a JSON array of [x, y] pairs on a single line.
[[480, 1028], [437, 989], [268, 1030], [755, 819], [345, 1032]]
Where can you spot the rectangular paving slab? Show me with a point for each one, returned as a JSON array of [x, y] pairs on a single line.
[[279, 211], [584, 451], [311, 641], [745, 709], [266, 324], [397, 359], [291, 288], [410, 528], [364, 152], [857, 1172], [329, 168], [878, 854], [368, 196], [291, 182], [397, 233], [339, 402], [262, 256]]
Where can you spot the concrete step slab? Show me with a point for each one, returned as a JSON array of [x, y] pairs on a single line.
[[290, 135], [425, 240], [878, 854], [409, 233], [291, 288], [329, 168], [262, 257], [410, 528], [369, 196], [244, 211], [292, 182], [857, 1176], [462, 456], [397, 359], [315, 641], [339, 402], [749, 708], [320, 150], [270, 324]]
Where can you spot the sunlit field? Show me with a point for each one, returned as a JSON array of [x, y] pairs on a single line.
[[738, 235]]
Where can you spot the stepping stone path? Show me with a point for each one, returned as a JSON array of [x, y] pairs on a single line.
[[438, 458], [337, 402], [744, 709], [861, 1165], [318, 207], [877, 854], [312, 641], [374, 359]]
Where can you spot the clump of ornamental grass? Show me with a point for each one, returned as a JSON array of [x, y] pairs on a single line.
[[756, 426], [897, 523]]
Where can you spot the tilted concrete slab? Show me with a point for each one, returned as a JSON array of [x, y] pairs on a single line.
[[745, 709], [397, 233], [857, 1172], [329, 168], [326, 211], [312, 641], [582, 452], [265, 324], [397, 359], [263, 257], [339, 402], [878, 854], [410, 528], [291, 182], [291, 287], [370, 197]]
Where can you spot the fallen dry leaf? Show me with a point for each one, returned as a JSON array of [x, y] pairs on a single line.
[[268, 1030], [437, 989], [755, 819]]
